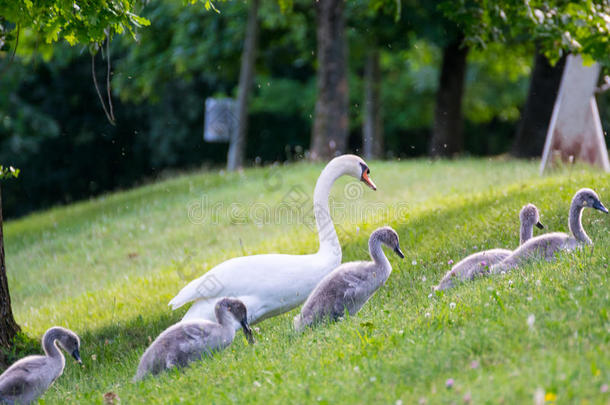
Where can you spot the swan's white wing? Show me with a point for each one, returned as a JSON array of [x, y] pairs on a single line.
[[256, 275]]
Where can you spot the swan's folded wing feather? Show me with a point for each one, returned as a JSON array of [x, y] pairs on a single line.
[[352, 287], [195, 332], [209, 285], [20, 375], [242, 276], [12, 386], [187, 294]]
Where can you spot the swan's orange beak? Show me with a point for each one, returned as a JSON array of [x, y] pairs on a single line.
[[367, 180]]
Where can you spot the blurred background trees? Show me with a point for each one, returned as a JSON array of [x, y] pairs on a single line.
[[406, 75]]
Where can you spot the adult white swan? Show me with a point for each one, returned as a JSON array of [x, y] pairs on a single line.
[[272, 284]]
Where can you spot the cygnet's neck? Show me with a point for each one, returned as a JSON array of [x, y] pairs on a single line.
[[377, 254], [575, 223], [227, 320], [49, 344], [527, 231]]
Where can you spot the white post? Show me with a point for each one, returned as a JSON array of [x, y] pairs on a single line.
[[575, 132]]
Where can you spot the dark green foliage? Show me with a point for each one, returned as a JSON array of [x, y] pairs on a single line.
[[77, 22], [22, 345], [558, 26], [8, 172]]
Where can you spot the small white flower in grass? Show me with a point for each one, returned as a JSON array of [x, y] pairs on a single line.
[[452, 305], [357, 369], [449, 383], [538, 283], [529, 298], [510, 283], [414, 262], [423, 279], [373, 379], [430, 295], [257, 384], [539, 396], [427, 315], [530, 320], [398, 402]]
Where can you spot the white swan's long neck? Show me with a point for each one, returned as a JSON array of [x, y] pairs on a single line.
[[329, 242], [575, 223]]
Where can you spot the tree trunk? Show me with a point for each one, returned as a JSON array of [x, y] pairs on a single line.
[[8, 326], [447, 133], [535, 118], [372, 127], [237, 147], [330, 127]]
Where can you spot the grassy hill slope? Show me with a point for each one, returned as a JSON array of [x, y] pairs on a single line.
[[107, 268]]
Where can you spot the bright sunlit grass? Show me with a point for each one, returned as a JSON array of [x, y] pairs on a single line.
[[107, 268]]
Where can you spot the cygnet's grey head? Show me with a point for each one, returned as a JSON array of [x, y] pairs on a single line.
[[389, 237], [69, 341], [237, 310], [585, 197], [529, 216]]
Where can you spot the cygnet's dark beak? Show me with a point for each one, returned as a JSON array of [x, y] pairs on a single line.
[[76, 356], [599, 206], [247, 331], [539, 225], [399, 252]]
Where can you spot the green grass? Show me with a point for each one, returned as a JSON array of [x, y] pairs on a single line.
[[107, 268]]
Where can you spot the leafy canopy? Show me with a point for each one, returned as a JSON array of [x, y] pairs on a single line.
[[8, 172], [557, 26], [74, 21]]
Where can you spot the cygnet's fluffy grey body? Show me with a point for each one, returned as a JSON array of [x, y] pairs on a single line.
[[479, 263], [189, 341], [546, 246], [26, 380], [349, 286]]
